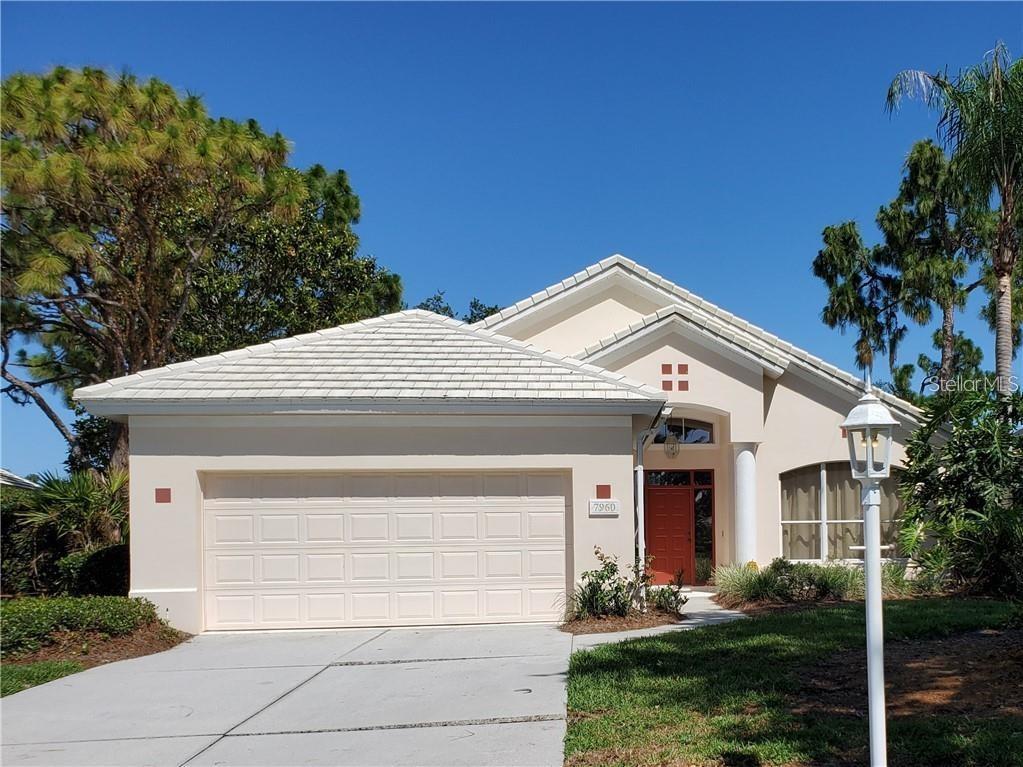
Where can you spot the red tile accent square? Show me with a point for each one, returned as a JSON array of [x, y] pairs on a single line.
[[666, 369], [683, 370], [163, 495], [683, 385], [603, 492], [666, 385]]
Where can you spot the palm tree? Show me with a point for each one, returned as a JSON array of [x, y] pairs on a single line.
[[84, 511], [982, 125]]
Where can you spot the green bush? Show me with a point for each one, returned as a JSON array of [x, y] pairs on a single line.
[[29, 623], [738, 584], [785, 581], [69, 568], [606, 591], [670, 598], [99, 572], [962, 489]]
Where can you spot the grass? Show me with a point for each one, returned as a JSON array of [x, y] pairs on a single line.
[[724, 695], [44, 638], [15, 677]]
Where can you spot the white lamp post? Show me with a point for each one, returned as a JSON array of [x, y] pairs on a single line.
[[869, 431]]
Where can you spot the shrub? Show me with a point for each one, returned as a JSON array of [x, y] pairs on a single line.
[[100, 572], [606, 591], [69, 568], [737, 584], [963, 496], [670, 598], [46, 532], [785, 581], [29, 623]]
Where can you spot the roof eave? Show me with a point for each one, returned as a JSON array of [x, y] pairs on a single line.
[[119, 409]]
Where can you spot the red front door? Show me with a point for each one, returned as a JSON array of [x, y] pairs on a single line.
[[669, 533]]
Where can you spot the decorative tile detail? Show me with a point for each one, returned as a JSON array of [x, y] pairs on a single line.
[[668, 381], [603, 492], [163, 495]]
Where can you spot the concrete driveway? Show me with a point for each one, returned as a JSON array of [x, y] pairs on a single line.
[[492, 695]]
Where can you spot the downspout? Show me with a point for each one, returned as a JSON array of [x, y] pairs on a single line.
[[639, 484]]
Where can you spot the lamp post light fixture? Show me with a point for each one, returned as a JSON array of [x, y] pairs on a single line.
[[869, 429]]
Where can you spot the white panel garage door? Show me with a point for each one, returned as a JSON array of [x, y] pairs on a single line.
[[377, 549]]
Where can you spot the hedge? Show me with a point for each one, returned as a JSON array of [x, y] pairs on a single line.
[[99, 572], [29, 623]]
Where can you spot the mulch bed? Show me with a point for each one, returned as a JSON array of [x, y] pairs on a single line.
[[611, 623], [961, 675], [92, 648]]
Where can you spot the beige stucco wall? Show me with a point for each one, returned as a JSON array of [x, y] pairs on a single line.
[[173, 452], [801, 427], [794, 421], [592, 314]]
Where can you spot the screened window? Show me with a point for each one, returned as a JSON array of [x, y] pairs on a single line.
[[821, 516]]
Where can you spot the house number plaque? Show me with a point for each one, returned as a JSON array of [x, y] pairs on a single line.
[[605, 507]]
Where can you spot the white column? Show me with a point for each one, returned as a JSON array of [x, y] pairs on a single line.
[[745, 498]]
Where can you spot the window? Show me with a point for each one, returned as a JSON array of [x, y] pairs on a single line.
[[688, 431], [821, 516]]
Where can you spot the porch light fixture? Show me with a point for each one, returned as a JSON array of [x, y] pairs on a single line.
[[869, 430]]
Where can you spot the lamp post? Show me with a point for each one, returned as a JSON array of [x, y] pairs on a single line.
[[869, 432]]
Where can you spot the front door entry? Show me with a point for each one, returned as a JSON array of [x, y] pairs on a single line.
[[680, 525], [669, 533]]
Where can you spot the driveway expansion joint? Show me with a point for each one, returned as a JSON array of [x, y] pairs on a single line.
[[412, 725], [396, 662]]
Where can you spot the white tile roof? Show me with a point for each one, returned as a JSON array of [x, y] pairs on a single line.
[[745, 333], [411, 356], [711, 328]]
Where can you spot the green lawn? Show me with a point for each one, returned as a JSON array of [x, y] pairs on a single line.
[[723, 695], [15, 677]]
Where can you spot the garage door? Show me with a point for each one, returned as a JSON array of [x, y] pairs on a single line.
[[285, 551]]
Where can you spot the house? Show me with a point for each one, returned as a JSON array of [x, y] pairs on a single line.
[[412, 469], [10, 479]]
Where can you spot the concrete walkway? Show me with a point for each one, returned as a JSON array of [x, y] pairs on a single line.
[[492, 695], [700, 611]]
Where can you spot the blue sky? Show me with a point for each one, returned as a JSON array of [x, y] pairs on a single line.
[[498, 148]]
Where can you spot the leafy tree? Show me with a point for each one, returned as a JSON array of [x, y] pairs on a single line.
[[480, 311], [964, 366], [933, 232], [439, 305], [981, 123], [86, 509], [115, 193], [963, 492], [268, 278], [863, 293]]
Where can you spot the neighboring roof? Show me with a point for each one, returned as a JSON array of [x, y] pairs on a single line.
[[413, 357], [745, 333], [13, 480], [773, 362]]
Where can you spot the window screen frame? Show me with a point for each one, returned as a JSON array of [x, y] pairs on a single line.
[[823, 521]]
